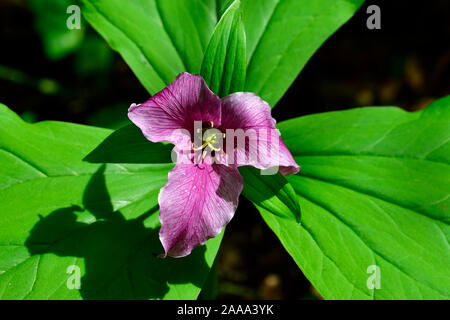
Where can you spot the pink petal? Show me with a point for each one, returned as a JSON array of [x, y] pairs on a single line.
[[263, 147], [243, 110], [195, 204], [176, 107]]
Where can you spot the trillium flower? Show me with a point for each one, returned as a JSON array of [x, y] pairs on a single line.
[[210, 137]]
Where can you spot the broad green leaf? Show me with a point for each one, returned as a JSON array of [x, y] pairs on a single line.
[[283, 34], [57, 211], [224, 64], [271, 192], [374, 190], [157, 38], [50, 19]]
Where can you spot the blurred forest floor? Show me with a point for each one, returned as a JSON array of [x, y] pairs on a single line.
[[46, 74]]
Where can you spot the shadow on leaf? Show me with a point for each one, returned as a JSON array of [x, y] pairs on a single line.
[[119, 254]]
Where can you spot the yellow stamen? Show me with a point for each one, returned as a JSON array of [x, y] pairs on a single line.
[[201, 147], [206, 143]]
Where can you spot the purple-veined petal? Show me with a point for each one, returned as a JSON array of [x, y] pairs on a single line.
[[242, 110], [171, 113], [195, 204], [252, 133]]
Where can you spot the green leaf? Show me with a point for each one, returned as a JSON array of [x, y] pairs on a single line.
[[50, 22], [157, 39], [271, 192], [58, 211], [281, 37], [222, 6], [374, 190], [224, 63]]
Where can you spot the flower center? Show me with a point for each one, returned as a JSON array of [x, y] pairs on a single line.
[[211, 140]]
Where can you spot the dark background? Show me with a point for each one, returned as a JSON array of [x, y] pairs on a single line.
[[406, 64]]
